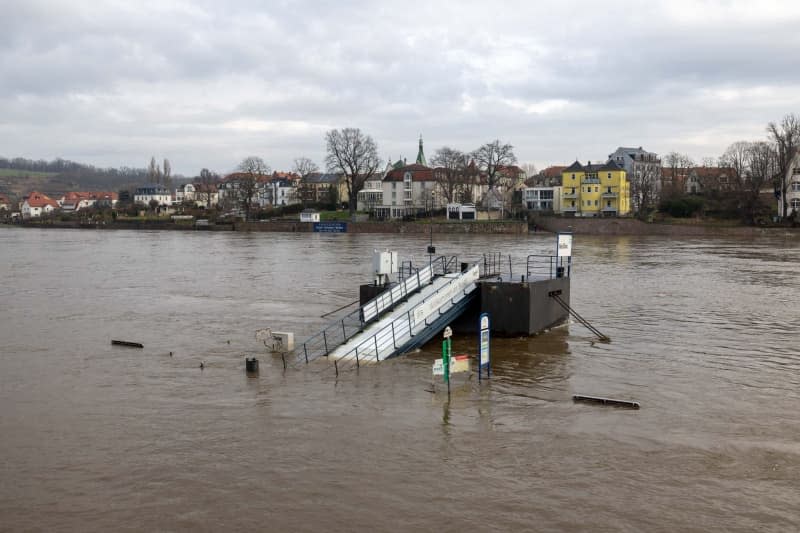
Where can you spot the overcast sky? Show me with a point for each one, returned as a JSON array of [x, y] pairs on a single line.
[[206, 83]]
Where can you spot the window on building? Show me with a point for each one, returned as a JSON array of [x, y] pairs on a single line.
[[795, 204], [796, 186], [573, 176], [609, 175], [596, 203], [597, 189], [608, 203]]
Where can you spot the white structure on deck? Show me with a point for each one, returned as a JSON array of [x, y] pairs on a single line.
[[309, 215]]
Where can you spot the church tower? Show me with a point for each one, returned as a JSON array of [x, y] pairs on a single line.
[[421, 154]]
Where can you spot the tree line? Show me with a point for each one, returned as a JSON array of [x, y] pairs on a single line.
[[755, 166]]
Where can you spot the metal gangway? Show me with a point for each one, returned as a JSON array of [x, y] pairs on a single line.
[[341, 331], [414, 322]]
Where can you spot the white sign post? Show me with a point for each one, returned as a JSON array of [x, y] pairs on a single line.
[[564, 247], [484, 355], [563, 250]]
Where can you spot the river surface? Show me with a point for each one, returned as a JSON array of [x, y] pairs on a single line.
[[705, 335]]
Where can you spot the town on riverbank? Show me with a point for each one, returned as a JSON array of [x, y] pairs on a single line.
[[752, 185]]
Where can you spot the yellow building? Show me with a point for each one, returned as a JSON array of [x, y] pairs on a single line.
[[595, 190]]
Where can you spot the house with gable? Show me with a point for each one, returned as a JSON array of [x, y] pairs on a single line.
[[595, 190], [319, 187], [37, 204], [145, 194], [5, 203], [76, 200], [411, 189], [408, 190]]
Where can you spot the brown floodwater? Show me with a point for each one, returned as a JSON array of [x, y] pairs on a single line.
[[705, 335]]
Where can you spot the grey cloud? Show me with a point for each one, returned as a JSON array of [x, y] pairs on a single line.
[[209, 82]]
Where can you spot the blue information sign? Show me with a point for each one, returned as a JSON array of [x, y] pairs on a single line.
[[330, 227]]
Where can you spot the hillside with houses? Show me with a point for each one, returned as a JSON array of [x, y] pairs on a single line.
[[753, 183]]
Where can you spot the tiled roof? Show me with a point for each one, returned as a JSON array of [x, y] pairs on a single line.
[[574, 167], [93, 195], [418, 173], [553, 171], [37, 199], [713, 172]]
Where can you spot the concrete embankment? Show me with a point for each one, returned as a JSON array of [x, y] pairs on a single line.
[[289, 226], [630, 226], [498, 227]]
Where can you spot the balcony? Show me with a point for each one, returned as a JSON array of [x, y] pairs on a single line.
[[570, 195], [610, 194], [592, 181], [569, 209]]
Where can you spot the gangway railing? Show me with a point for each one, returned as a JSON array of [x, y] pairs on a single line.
[[548, 267], [396, 334], [492, 265], [340, 331]]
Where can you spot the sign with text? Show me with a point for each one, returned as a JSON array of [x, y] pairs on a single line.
[[458, 363], [564, 246], [484, 356], [330, 227]]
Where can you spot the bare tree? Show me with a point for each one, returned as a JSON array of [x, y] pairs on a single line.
[[208, 181], [153, 171], [679, 166], [450, 172], [253, 168], [644, 192], [786, 137], [530, 170], [737, 156], [761, 162], [305, 167], [355, 155], [492, 156], [167, 174]]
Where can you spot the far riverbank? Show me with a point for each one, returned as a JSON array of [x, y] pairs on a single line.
[[578, 226], [632, 226]]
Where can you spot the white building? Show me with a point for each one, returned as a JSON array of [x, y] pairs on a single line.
[[542, 199], [185, 193], [309, 215], [792, 181], [159, 193], [278, 192], [197, 193], [37, 204], [371, 196]]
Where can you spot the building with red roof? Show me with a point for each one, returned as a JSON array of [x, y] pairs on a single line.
[[37, 204]]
